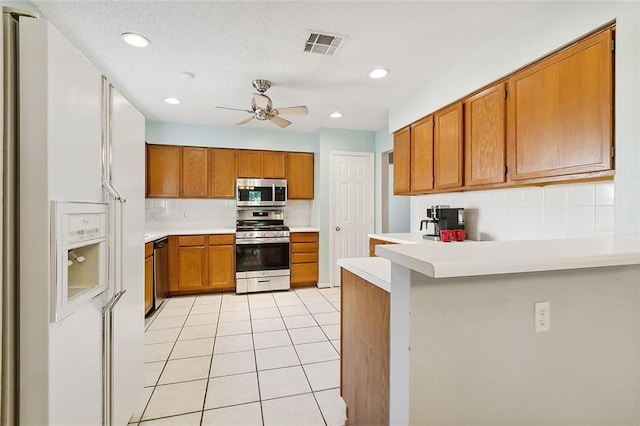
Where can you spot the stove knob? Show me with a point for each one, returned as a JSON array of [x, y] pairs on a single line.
[[251, 234]]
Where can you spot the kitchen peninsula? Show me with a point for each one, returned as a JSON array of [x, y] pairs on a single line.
[[454, 337]]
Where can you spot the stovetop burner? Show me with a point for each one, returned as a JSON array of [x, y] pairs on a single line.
[[242, 228]]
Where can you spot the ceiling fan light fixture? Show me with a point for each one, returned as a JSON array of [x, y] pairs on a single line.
[[135, 40], [172, 101], [378, 73], [336, 114]]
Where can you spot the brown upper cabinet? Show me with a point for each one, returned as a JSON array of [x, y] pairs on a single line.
[[447, 147], [560, 112], [549, 122], [201, 172], [274, 165], [249, 164], [222, 173], [402, 161], [163, 171], [261, 164], [484, 136], [421, 155], [195, 169], [300, 175]]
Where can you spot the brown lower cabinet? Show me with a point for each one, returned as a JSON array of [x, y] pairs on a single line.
[[364, 351], [304, 259], [148, 277], [201, 264]]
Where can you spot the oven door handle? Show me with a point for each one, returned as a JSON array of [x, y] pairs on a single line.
[[262, 240]]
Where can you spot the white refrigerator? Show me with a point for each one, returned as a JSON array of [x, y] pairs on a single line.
[[74, 139]]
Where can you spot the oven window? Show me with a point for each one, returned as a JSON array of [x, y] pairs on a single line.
[[260, 257]]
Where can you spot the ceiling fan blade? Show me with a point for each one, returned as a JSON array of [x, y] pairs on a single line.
[[236, 109], [262, 101], [280, 122], [294, 110], [245, 121]]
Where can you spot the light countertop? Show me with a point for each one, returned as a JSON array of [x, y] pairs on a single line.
[[155, 234], [376, 270], [401, 238], [446, 260]]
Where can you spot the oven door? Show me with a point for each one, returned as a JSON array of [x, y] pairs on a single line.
[[254, 196], [263, 254]]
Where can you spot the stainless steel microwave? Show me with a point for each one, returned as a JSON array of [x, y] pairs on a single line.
[[261, 192]]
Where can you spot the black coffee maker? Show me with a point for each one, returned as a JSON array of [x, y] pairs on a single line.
[[441, 217]]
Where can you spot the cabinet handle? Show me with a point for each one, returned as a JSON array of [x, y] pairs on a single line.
[[338, 228]]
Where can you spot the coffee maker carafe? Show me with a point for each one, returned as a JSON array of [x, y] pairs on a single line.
[[441, 217]]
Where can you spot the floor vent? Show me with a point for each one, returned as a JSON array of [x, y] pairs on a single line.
[[324, 43]]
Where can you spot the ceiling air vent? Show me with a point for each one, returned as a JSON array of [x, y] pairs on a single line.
[[324, 43]]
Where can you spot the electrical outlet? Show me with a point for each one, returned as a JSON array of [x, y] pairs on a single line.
[[542, 316], [184, 215]]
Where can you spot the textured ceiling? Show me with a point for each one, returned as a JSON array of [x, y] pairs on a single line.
[[227, 44]]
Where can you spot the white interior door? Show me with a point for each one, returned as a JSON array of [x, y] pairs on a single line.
[[351, 207]]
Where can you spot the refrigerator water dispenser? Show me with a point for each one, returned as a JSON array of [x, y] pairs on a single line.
[[80, 238]]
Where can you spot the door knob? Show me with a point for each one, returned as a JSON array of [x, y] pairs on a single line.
[[337, 228]]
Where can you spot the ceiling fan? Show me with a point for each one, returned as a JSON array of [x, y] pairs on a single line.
[[262, 107]]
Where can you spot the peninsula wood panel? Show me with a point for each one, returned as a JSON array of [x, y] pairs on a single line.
[[249, 164], [364, 351], [373, 242], [222, 173], [402, 161], [195, 172], [300, 179], [448, 145], [560, 112], [421, 155], [163, 171], [485, 136], [274, 165]]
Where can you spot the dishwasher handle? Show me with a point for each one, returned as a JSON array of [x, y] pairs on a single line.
[[161, 243]]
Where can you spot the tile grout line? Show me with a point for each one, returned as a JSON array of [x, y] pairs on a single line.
[[255, 360], [213, 349]]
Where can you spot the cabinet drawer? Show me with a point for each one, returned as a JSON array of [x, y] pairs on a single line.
[[304, 248], [148, 249], [304, 257], [304, 273], [304, 237], [191, 240], [219, 240]]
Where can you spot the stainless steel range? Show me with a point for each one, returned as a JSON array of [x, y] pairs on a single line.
[[262, 251]]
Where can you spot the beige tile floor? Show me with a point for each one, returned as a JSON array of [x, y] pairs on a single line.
[[257, 359]]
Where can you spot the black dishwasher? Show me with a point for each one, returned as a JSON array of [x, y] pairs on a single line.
[[160, 271]]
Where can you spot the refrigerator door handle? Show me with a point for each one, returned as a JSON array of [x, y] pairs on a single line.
[[107, 358]]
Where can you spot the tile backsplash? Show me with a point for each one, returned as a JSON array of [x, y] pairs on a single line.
[[195, 213], [582, 210]]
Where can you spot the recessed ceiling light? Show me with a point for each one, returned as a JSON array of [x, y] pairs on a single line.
[[336, 114], [188, 75], [135, 39], [172, 101], [378, 73]]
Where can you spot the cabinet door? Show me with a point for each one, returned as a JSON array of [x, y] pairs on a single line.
[[448, 147], [300, 183], [163, 171], [421, 155], [195, 169], [222, 173], [560, 112], [274, 165], [302, 273], [192, 268], [401, 161], [222, 267], [148, 284], [485, 136], [249, 164]]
